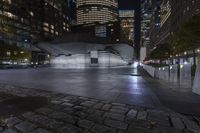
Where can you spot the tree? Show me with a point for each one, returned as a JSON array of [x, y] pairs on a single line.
[[161, 52], [188, 36]]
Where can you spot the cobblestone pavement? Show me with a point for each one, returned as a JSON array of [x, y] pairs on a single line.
[[74, 114]]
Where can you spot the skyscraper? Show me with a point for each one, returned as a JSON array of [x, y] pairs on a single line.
[[24, 22], [73, 12], [96, 11], [146, 13], [127, 19]]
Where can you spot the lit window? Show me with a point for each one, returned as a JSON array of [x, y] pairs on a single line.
[[8, 53], [45, 24], [188, 8], [46, 29], [32, 14]]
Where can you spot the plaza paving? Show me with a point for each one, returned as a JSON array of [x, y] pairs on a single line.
[[117, 100], [123, 85], [63, 113]]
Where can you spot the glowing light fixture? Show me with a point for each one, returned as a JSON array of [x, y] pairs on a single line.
[[135, 64], [181, 66]]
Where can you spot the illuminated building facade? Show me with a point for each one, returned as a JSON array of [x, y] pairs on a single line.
[[165, 9], [98, 33], [173, 15], [150, 22], [96, 11], [24, 22], [160, 31], [56, 18], [127, 19], [146, 22], [182, 11]]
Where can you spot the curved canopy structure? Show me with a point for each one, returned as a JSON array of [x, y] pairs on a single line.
[[81, 54]]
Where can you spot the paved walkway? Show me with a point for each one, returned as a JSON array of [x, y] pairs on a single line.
[[124, 85], [64, 113], [174, 97]]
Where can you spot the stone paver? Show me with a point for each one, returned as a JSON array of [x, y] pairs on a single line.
[[132, 113], [12, 121], [1, 129], [177, 123], [85, 124], [9, 130], [115, 116], [88, 103], [106, 107], [25, 126], [98, 105], [68, 128], [44, 111], [62, 116], [142, 115], [73, 114], [40, 130], [191, 125], [102, 129], [116, 124]]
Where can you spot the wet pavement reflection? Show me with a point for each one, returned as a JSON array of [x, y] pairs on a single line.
[[124, 85]]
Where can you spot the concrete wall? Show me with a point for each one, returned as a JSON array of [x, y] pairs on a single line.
[[166, 73], [143, 53], [157, 73], [170, 74], [125, 51], [109, 60], [174, 74], [196, 83], [185, 76], [150, 70], [84, 61], [74, 61], [162, 73]]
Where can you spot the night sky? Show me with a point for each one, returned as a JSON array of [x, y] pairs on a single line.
[[129, 4], [133, 4]]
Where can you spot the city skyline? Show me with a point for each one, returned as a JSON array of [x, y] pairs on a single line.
[[99, 66]]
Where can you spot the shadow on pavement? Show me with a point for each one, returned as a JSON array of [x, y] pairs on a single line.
[[18, 105]]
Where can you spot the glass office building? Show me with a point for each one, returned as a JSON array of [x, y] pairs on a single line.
[[96, 11], [127, 19], [25, 22]]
